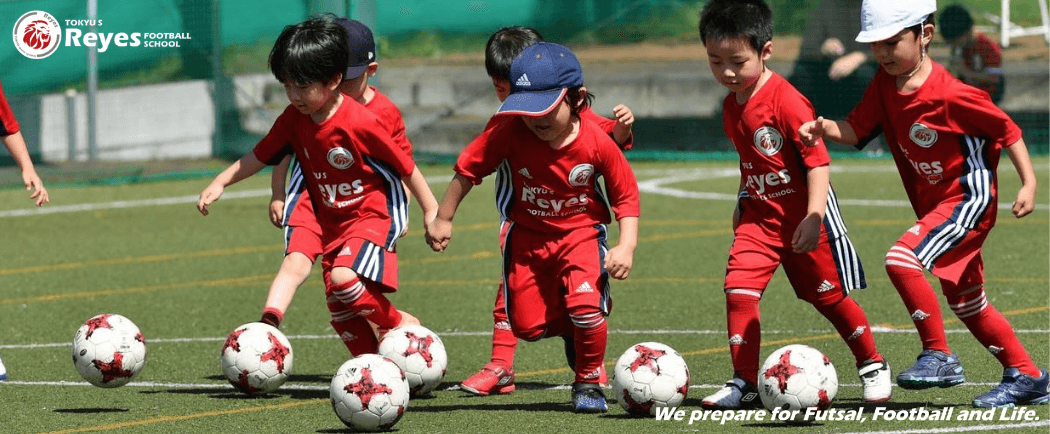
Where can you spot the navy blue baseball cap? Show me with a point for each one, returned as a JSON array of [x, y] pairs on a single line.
[[539, 78], [362, 47]]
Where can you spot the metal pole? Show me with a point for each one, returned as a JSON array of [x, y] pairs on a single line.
[[92, 84], [71, 123], [217, 78]]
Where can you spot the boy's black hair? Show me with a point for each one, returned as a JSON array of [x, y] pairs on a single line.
[[313, 50], [577, 104], [722, 19], [504, 45], [955, 21]]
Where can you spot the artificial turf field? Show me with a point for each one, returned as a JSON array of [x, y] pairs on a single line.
[[143, 251]]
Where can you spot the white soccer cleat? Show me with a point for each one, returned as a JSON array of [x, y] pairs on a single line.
[[3, 371], [876, 381]]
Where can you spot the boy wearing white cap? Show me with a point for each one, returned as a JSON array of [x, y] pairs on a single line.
[[946, 138], [556, 261], [787, 215]]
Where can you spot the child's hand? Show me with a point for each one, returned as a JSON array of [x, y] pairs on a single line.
[[619, 261], [277, 212], [33, 183], [810, 131], [210, 194], [832, 47], [438, 233], [624, 123], [807, 235], [1025, 202]]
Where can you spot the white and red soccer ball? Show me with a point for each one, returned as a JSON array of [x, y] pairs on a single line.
[[256, 358], [420, 353], [797, 377], [650, 375], [369, 393], [109, 350]]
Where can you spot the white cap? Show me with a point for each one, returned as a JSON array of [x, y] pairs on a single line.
[[881, 19]]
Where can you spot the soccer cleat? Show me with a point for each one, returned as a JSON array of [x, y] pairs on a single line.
[[588, 398], [491, 379], [932, 369], [1016, 389], [3, 371], [875, 381], [737, 394]]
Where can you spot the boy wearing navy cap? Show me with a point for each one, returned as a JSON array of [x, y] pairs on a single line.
[[556, 260]]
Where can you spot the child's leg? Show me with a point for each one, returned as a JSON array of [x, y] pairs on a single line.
[[295, 268], [363, 298], [906, 273], [504, 344], [587, 299], [970, 304], [744, 325]]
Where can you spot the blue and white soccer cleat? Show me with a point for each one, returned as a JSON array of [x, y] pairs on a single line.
[[3, 371], [588, 398], [932, 369], [737, 394], [1016, 389]]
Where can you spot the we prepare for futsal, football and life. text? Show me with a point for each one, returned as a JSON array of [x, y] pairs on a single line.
[[860, 414]]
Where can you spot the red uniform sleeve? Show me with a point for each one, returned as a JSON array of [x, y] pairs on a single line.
[[485, 153], [990, 53], [278, 142], [378, 143], [972, 111], [8, 124], [867, 116], [793, 111], [607, 125], [620, 182]]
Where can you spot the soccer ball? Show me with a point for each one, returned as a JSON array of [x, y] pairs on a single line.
[[797, 377], [369, 393], [256, 358], [420, 353], [650, 375], [109, 350]]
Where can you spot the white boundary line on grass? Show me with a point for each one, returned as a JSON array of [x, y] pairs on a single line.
[[973, 428], [874, 329], [654, 186]]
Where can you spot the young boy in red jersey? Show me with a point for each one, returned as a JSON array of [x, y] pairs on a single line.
[[946, 138], [503, 46], [787, 214], [976, 59], [293, 210], [16, 145], [355, 180], [556, 264]]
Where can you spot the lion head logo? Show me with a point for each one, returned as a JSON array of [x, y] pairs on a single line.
[[37, 35]]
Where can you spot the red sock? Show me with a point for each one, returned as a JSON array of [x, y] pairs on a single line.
[[591, 333], [357, 335], [367, 302], [744, 324], [906, 273], [992, 330], [504, 344], [852, 324]]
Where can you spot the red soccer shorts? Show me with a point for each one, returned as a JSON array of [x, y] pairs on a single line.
[[368, 260], [548, 275], [947, 248], [754, 256]]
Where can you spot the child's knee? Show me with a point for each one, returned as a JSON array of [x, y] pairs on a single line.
[[297, 264], [823, 299], [965, 301], [586, 317], [341, 275]]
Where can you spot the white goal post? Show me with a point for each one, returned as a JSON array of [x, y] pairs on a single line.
[[1009, 30]]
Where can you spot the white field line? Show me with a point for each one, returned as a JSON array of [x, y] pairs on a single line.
[[446, 334], [656, 186], [294, 386], [974, 428]]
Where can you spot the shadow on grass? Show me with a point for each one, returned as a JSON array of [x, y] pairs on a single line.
[[90, 410]]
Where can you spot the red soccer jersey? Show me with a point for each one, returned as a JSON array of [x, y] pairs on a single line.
[[984, 55], [945, 137], [8, 124], [553, 190], [353, 172], [773, 159], [389, 115]]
